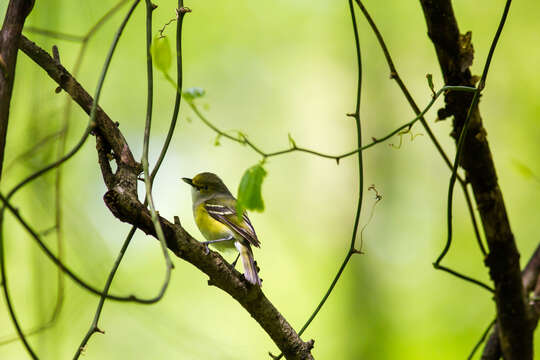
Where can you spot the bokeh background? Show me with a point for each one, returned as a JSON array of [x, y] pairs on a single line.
[[272, 68]]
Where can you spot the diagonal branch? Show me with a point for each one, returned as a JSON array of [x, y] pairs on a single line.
[[121, 198]]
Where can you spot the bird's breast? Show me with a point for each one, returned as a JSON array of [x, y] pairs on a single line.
[[210, 227]]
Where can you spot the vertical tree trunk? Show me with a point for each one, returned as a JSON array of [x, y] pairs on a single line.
[[455, 55], [9, 44]]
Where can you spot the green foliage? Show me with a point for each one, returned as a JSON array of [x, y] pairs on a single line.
[[249, 190], [193, 93], [161, 53]]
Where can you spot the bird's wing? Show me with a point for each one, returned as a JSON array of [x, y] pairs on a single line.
[[225, 212]]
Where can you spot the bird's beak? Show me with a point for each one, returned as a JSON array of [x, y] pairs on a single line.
[[188, 181]]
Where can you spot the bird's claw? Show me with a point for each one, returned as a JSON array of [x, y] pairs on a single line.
[[206, 249]]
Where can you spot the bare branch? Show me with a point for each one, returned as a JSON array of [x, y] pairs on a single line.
[[242, 139], [352, 247], [454, 52], [123, 203], [16, 14], [394, 75], [530, 277]]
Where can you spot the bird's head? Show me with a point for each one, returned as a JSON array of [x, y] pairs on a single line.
[[206, 184]]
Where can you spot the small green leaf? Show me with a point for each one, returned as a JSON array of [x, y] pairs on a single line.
[[193, 93], [429, 78], [292, 143], [216, 141], [242, 137], [249, 190], [161, 53]]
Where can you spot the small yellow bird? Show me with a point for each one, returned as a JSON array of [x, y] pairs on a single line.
[[214, 210]]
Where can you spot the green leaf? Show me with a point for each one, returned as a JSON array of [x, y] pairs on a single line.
[[161, 53], [249, 190], [193, 93], [429, 78], [292, 143]]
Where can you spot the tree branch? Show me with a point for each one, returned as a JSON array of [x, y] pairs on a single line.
[[16, 14], [530, 278], [455, 54], [121, 198], [104, 125]]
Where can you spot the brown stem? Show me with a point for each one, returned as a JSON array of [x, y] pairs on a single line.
[[10, 34], [121, 199], [455, 54]]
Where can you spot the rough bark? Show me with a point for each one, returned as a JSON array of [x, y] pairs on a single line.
[[455, 55], [10, 34], [121, 199], [529, 275]]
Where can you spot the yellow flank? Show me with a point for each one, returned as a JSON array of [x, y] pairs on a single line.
[[213, 229]]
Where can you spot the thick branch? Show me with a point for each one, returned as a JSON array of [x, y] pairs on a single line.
[[529, 275], [221, 274], [455, 54], [121, 198], [16, 13]]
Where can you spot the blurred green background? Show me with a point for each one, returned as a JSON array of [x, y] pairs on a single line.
[[270, 68]]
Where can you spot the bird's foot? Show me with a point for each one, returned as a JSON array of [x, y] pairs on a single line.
[[206, 248]]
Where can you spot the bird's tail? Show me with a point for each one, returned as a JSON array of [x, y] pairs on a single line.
[[250, 269]]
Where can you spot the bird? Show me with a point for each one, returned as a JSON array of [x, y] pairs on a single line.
[[214, 211]]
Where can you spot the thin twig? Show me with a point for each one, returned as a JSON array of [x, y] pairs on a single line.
[[352, 250], [464, 277], [94, 327], [76, 148], [58, 260], [5, 290], [59, 162], [61, 150], [242, 139], [91, 121], [178, 96], [54, 34], [148, 123], [464, 129], [33, 233], [77, 38], [378, 198], [37, 145], [482, 339], [395, 76], [116, 38]]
